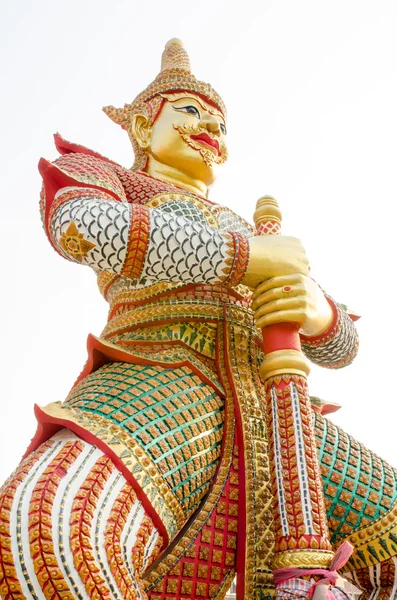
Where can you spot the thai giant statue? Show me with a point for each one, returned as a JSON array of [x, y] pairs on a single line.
[[171, 466]]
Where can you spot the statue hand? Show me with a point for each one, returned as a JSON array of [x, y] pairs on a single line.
[[292, 298], [274, 255]]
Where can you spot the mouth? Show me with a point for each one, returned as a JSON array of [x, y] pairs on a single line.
[[206, 140]]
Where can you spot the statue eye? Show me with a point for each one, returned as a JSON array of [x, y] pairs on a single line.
[[190, 110], [223, 128]]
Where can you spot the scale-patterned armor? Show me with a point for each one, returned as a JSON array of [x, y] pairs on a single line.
[[150, 439]]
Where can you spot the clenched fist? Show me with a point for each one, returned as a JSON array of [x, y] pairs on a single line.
[[294, 299], [272, 256]]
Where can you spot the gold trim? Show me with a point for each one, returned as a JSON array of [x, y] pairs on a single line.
[[312, 559], [154, 575], [124, 292], [170, 310], [377, 539], [284, 362], [242, 351]]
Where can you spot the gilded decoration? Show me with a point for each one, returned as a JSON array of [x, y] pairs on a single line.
[[166, 310], [310, 559], [247, 388], [171, 465], [74, 244], [201, 337], [189, 545], [374, 543]]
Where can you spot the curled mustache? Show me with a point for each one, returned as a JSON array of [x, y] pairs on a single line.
[[208, 156]]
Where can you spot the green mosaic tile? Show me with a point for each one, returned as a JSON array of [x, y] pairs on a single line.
[[174, 416], [359, 487]]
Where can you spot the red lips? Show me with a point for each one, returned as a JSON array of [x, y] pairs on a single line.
[[205, 139]]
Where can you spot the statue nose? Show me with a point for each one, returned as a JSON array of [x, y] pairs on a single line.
[[212, 125]]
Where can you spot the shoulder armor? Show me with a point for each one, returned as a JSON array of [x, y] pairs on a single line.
[[65, 147], [76, 167], [79, 166], [85, 165]]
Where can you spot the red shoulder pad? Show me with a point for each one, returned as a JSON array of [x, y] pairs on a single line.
[[77, 171], [80, 170], [65, 147], [137, 186]]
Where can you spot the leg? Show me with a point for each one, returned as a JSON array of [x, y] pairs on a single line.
[[176, 422], [360, 492], [71, 527]]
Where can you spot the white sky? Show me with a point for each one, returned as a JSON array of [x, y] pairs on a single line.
[[311, 91]]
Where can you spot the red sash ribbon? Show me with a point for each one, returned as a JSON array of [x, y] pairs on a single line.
[[330, 575]]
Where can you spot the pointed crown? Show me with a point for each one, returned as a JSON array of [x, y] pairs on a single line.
[[175, 75]]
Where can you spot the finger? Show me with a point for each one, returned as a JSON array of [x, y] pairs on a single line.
[[301, 267], [287, 316], [287, 291], [303, 259], [277, 282], [282, 304]]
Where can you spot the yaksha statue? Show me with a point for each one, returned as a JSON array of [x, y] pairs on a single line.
[[177, 461]]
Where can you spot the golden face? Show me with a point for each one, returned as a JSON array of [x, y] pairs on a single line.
[[189, 136]]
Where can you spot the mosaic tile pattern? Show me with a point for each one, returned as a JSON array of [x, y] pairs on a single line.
[[199, 336], [174, 416], [359, 487], [206, 569]]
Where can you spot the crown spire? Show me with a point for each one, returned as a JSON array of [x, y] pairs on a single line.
[[175, 56], [175, 76]]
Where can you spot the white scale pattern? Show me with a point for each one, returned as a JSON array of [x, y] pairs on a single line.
[[182, 247], [185, 251], [229, 221], [187, 210], [105, 223]]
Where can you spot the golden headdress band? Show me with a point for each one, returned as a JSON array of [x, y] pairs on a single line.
[[175, 75]]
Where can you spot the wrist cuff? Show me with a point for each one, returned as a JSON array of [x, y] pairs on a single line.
[[338, 346]]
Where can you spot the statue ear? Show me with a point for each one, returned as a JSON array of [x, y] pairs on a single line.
[[142, 130]]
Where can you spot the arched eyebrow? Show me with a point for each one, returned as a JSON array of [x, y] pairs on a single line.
[[173, 97]]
